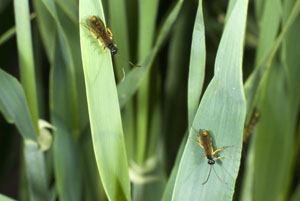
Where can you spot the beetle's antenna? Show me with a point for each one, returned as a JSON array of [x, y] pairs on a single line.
[[212, 167], [207, 175], [132, 64], [219, 177]]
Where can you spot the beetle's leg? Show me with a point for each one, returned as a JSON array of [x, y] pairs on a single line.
[[110, 33], [221, 157], [220, 149], [197, 141]]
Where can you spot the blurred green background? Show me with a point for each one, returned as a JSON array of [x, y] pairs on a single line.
[[71, 129]]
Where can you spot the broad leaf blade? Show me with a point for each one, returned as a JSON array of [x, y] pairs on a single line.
[[222, 111], [197, 65], [104, 110], [133, 79], [14, 106]]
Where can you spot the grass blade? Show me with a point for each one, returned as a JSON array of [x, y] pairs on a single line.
[[222, 111], [197, 65], [270, 25], [133, 79], [5, 198], [280, 87], [259, 8], [47, 28], [26, 60], [104, 111], [296, 194], [253, 82], [247, 187], [167, 196], [147, 17], [269, 132], [64, 114], [7, 35], [70, 8], [93, 188], [11, 32], [119, 25], [63, 117], [14, 107], [175, 99], [35, 171], [13, 103]]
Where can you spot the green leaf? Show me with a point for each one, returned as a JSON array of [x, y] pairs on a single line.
[[14, 106], [254, 81], [197, 65], [5, 198], [222, 111], [63, 102], [119, 26], [175, 93], [247, 186], [73, 57], [7, 35], [35, 171], [93, 187], [259, 6], [195, 83], [63, 118], [167, 196], [231, 5], [270, 25], [70, 8], [279, 87], [275, 121], [147, 10], [296, 194], [47, 28], [11, 32], [290, 54], [67, 166], [104, 110], [67, 43], [134, 78], [147, 15], [274, 172], [23, 183], [26, 60]]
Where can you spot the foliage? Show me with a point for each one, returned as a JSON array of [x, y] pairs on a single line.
[[134, 139]]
